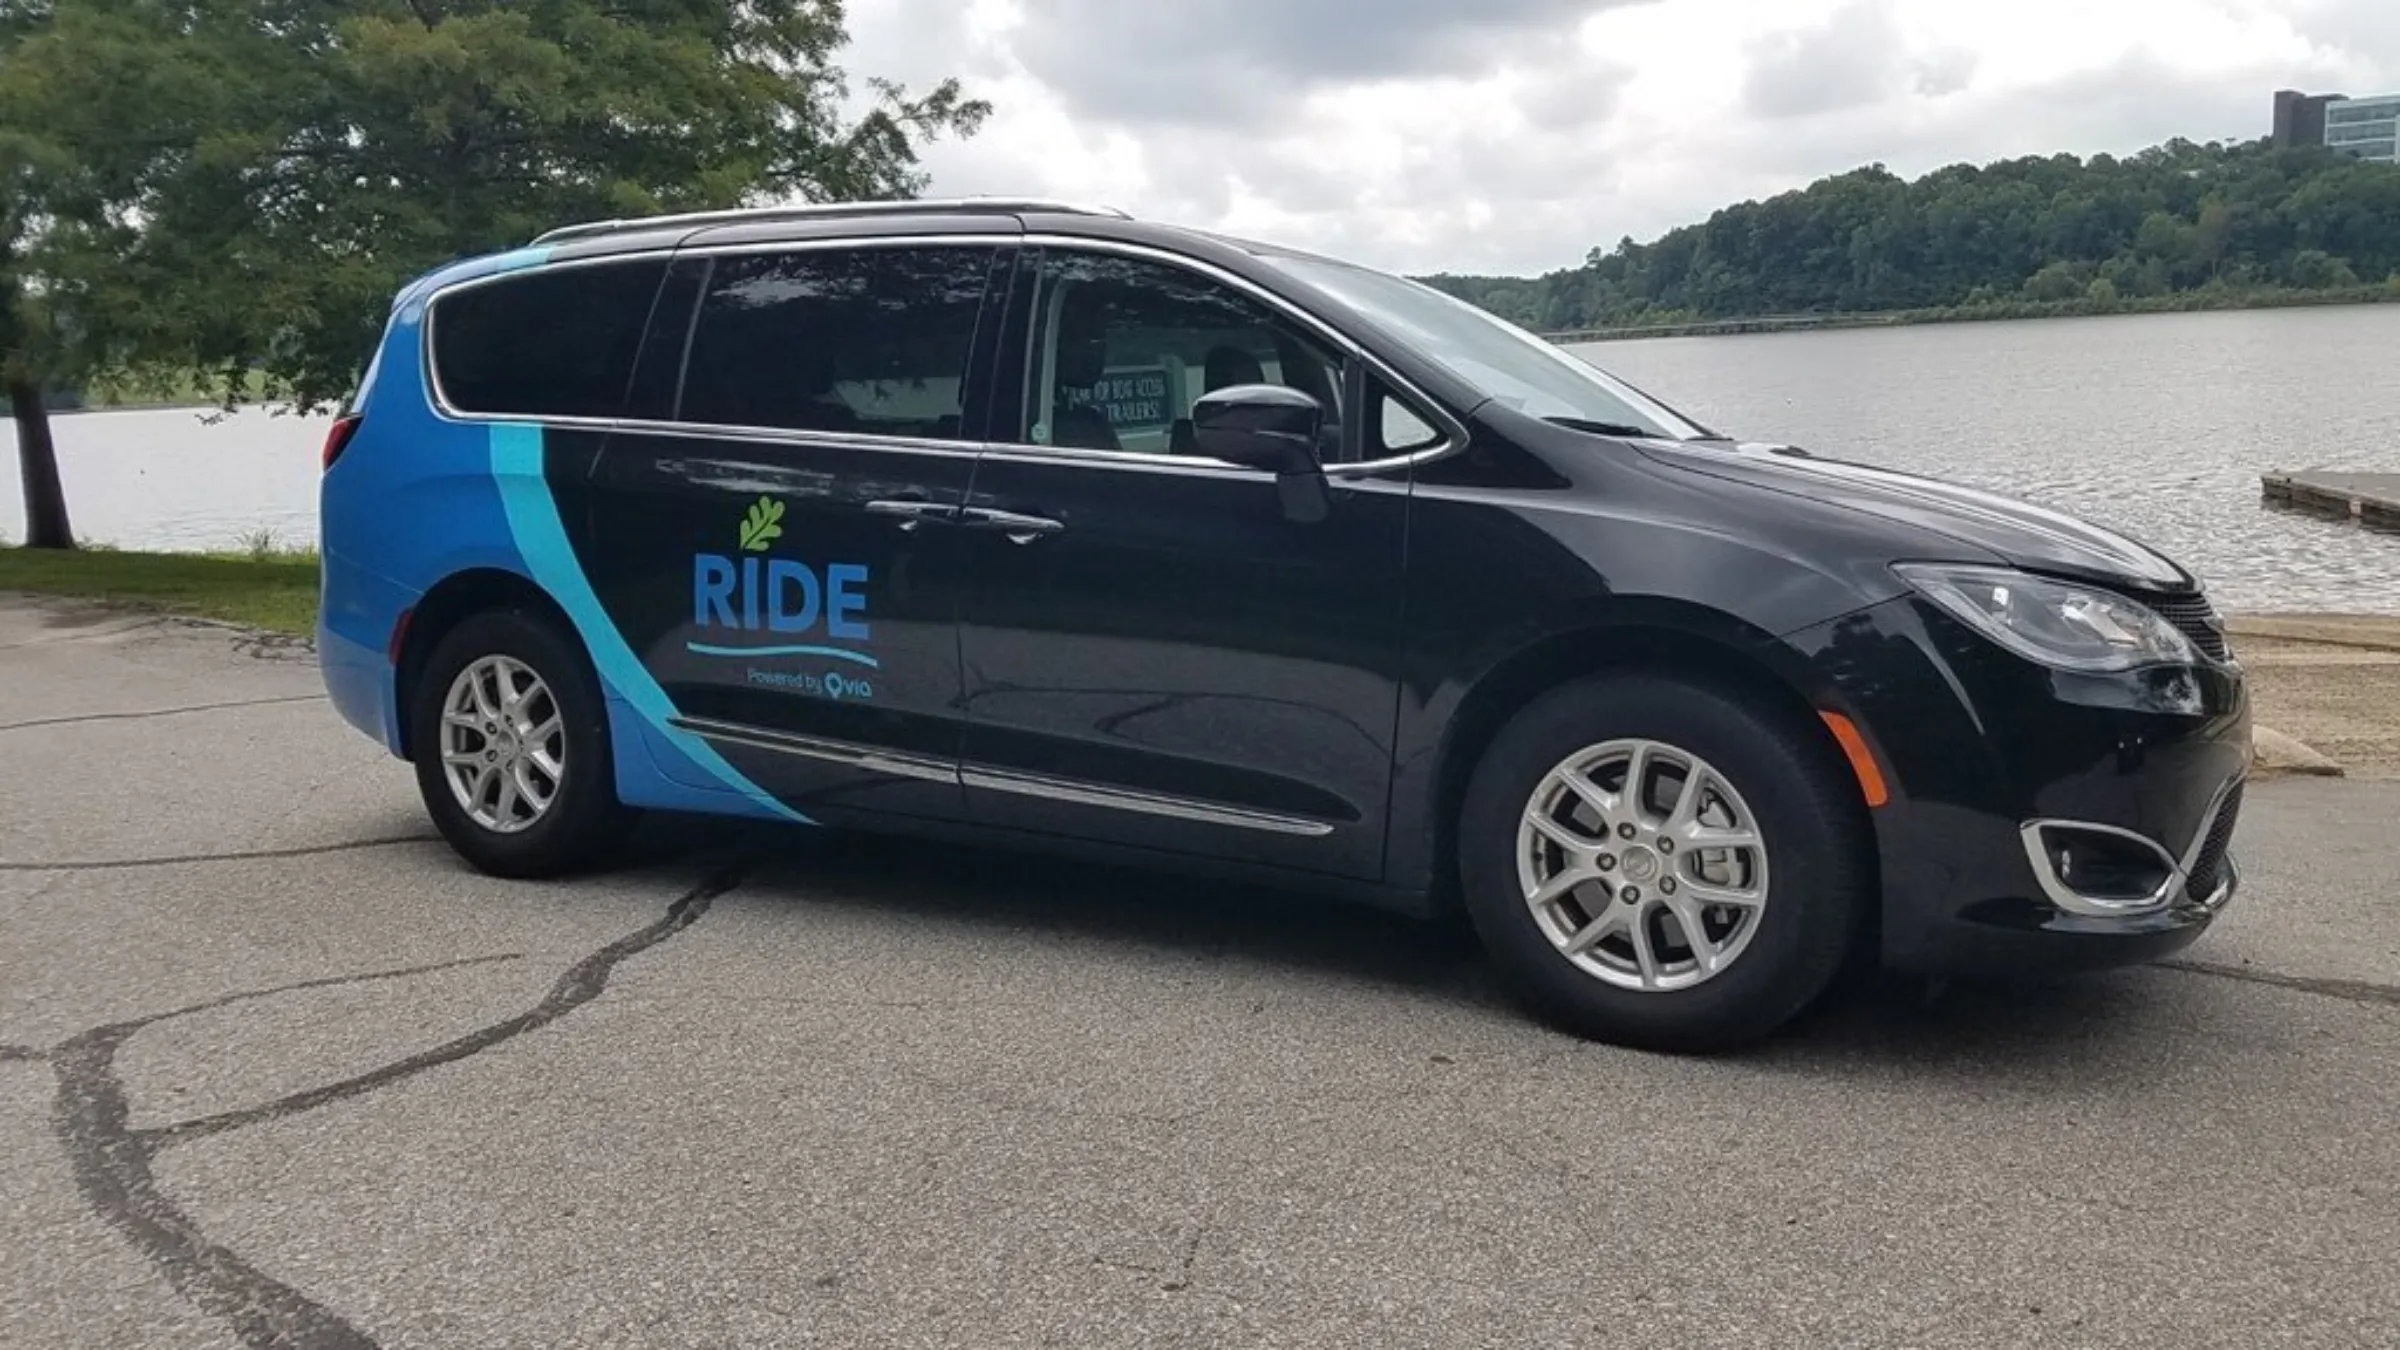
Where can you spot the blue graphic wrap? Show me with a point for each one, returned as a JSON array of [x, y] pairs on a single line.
[[418, 498], [533, 523]]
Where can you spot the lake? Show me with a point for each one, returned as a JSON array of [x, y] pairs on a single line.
[[2156, 424]]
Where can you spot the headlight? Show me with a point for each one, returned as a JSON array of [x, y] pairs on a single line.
[[2056, 623]]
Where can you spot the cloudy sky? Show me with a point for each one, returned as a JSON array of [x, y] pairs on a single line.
[[1512, 135]]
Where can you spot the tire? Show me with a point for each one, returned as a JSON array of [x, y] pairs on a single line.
[[1809, 868], [582, 819]]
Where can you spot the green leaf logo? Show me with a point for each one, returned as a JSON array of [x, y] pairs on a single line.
[[762, 525]]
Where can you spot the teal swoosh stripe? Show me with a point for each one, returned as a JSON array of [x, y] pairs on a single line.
[[542, 541], [703, 649]]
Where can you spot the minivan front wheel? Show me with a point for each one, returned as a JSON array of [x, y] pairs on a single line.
[[510, 738], [1661, 864]]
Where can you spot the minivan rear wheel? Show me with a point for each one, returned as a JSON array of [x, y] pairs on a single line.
[[510, 737], [1661, 864]]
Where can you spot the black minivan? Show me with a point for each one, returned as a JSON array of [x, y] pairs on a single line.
[[1012, 521]]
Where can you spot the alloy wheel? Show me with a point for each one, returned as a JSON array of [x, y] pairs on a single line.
[[1643, 865], [503, 744]]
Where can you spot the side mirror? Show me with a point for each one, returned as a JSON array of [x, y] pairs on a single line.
[[1260, 426]]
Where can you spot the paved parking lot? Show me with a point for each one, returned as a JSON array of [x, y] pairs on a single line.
[[275, 1070]]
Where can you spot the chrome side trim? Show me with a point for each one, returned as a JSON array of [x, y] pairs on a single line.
[[889, 762], [701, 431], [1177, 808], [1129, 459], [901, 765], [829, 440], [2179, 869]]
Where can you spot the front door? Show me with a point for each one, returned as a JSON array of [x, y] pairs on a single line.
[[1154, 654], [774, 546]]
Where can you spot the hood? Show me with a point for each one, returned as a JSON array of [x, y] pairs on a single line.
[[2020, 533]]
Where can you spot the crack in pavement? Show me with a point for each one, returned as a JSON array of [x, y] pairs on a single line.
[[177, 860], [581, 983], [2350, 991], [112, 1160], [158, 712]]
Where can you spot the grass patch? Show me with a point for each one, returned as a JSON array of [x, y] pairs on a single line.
[[271, 590]]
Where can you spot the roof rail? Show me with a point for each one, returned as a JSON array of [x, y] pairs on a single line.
[[814, 210]]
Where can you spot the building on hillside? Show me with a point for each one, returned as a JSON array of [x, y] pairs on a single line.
[[2366, 127], [2300, 118]]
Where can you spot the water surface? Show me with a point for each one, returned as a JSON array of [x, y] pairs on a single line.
[[2158, 425]]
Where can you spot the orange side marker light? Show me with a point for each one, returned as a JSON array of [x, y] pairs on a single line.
[[1862, 760]]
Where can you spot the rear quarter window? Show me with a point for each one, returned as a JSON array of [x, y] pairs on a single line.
[[558, 342]]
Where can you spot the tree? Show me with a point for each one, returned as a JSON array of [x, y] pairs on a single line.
[[27, 357], [2176, 218], [30, 358], [2315, 269], [270, 172], [2057, 281], [2210, 234]]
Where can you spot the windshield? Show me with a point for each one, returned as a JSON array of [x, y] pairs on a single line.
[[1504, 361]]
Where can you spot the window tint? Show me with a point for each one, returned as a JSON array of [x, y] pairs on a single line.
[[554, 343], [1122, 348], [870, 340]]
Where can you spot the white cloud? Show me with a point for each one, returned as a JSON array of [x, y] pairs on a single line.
[[1514, 135]]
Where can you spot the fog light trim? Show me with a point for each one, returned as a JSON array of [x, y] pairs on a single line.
[[2178, 869], [2066, 897]]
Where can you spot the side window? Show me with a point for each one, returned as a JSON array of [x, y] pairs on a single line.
[[871, 340], [1122, 348], [559, 342], [1398, 430]]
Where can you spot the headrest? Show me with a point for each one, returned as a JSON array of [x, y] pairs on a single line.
[[1082, 343], [1229, 366]]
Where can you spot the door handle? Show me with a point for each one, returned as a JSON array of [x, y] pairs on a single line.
[[911, 514], [1020, 529]]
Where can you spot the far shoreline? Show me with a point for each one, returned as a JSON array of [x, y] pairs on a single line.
[[2189, 302]]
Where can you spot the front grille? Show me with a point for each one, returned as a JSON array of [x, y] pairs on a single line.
[[2209, 867], [2196, 619]]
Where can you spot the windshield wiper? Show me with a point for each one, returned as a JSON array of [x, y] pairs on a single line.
[[1621, 429]]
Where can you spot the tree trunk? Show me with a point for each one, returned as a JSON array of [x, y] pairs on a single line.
[[37, 458]]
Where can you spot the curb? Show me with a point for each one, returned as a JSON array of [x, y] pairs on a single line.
[[2274, 754], [2333, 630]]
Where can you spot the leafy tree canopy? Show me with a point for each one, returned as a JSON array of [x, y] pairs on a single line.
[[244, 184], [2176, 218]]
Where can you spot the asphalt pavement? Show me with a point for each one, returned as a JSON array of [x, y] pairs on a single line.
[[275, 1070]]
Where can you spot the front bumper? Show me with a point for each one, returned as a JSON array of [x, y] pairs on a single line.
[[1992, 758]]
